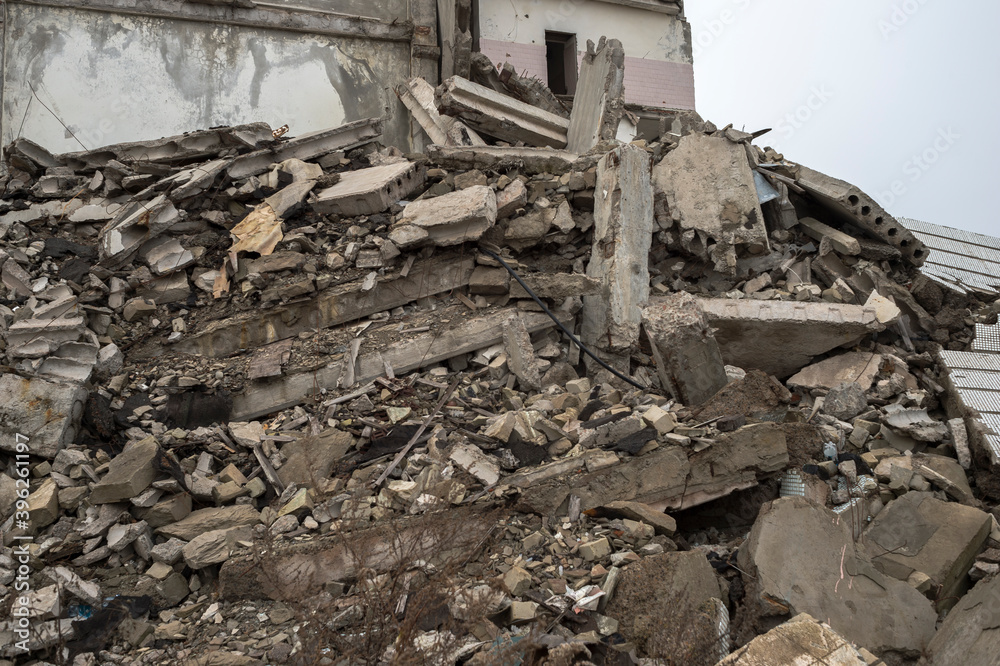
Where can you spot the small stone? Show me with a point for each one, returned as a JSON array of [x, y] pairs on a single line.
[[517, 581], [595, 550]]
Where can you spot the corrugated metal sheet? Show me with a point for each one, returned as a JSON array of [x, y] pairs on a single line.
[[962, 260], [976, 376], [987, 339]]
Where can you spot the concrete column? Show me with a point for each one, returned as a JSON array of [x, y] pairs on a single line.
[[623, 233]]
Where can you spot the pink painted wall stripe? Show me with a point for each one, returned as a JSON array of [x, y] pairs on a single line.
[[647, 82]]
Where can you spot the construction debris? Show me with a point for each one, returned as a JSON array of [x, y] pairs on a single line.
[[309, 400]]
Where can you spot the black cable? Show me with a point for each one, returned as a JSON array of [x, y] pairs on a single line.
[[560, 324]]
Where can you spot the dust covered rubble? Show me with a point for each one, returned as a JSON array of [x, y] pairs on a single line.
[[282, 401]]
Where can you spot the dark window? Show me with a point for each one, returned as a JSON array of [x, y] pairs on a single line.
[[560, 58]]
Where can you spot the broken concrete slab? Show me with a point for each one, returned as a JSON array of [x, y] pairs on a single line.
[[182, 149], [129, 473], [802, 641], [858, 209], [661, 522], [970, 633], [310, 461], [556, 286], [298, 571], [710, 191], [214, 546], [37, 416], [331, 307], [132, 226], [919, 533], [369, 191], [214, 518], [669, 477], [599, 102], [500, 116], [781, 337], [418, 96], [688, 359], [826, 576], [859, 367], [307, 146], [403, 356], [450, 219], [623, 234]]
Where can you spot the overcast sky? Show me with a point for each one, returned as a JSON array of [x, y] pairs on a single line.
[[886, 94]]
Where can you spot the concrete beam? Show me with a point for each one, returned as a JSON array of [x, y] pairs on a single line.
[[185, 148], [623, 234], [369, 191], [403, 355], [841, 242], [418, 97], [600, 96], [261, 15], [528, 161], [500, 116], [782, 337], [331, 307], [308, 146], [668, 478], [857, 208]]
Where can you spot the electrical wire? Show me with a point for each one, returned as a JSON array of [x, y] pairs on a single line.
[[565, 330]]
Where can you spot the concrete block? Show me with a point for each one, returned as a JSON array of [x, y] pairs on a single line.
[[134, 225], [450, 219], [828, 577], [711, 194], [43, 505], [520, 353], [129, 473], [511, 198], [489, 281], [369, 191], [689, 361], [500, 116], [599, 101], [969, 633], [781, 337], [517, 581], [623, 234], [42, 415], [917, 532], [214, 547]]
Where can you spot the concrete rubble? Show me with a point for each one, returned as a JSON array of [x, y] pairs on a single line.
[[533, 395]]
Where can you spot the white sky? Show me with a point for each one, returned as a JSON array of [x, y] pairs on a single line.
[[880, 93]]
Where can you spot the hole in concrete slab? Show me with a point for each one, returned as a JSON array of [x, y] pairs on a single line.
[[866, 210], [904, 243], [854, 199], [893, 231], [879, 220], [917, 254]]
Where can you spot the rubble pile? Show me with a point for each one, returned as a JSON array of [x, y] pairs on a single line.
[[535, 396]]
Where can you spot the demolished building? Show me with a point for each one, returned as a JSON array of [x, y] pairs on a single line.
[[535, 394]]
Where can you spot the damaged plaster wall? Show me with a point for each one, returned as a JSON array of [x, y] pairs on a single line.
[[114, 77], [658, 60]]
